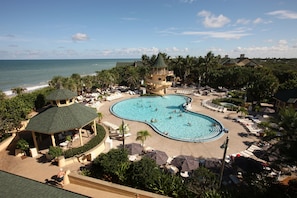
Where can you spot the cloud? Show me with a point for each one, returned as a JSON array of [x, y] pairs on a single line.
[[279, 49], [80, 37], [233, 34], [283, 14], [243, 21], [187, 1], [213, 21], [258, 20]]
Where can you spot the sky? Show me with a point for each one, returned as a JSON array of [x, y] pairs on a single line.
[[76, 29]]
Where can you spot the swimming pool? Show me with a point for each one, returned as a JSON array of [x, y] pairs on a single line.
[[167, 116]]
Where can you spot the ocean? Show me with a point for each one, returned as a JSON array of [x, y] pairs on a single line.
[[35, 74]]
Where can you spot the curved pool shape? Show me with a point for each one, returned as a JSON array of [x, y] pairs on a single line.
[[167, 116]]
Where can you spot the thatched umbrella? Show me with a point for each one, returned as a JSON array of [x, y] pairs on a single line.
[[185, 163], [160, 157], [134, 148]]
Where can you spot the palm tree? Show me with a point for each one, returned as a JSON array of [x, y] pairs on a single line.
[[210, 61], [132, 77], [56, 82], [123, 129], [18, 90], [242, 110], [100, 116], [288, 121], [142, 135]]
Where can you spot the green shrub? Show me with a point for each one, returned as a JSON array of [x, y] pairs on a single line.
[[23, 145], [55, 151]]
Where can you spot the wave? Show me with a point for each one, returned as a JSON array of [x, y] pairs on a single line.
[[27, 89]]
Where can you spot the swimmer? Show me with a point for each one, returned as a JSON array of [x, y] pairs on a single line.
[[189, 124]]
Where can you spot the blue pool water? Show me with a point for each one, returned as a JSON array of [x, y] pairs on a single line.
[[167, 116]]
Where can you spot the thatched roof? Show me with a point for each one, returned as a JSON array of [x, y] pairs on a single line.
[[288, 96], [160, 63], [61, 94], [57, 119], [18, 186]]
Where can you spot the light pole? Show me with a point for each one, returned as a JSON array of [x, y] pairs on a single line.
[[223, 162]]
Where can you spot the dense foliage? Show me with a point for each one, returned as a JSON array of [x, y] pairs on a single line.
[[16, 109]]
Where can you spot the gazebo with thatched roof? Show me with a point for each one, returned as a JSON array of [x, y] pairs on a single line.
[[62, 115]]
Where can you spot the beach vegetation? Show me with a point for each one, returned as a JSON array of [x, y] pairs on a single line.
[[18, 90], [16, 109], [2, 95]]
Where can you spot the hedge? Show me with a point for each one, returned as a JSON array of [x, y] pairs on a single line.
[[88, 146]]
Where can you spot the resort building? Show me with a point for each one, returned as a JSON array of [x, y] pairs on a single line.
[[159, 78], [286, 98], [241, 61]]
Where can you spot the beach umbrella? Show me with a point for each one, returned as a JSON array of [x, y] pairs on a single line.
[[268, 110], [134, 148], [248, 164], [185, 163], [160, 157]]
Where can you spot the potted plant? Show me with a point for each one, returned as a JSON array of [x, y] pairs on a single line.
[[22, 147]]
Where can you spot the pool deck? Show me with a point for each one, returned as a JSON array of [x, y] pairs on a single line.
[[239, 140]]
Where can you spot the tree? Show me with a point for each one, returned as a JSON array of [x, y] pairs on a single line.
[[142, 135], [288, 121], [18, 90], [56, 82], [209, 63], [242, 110], [170, 185], [112, 165], [144, 173], [100, 116], [262, 85], [202, 181], [123, 130]]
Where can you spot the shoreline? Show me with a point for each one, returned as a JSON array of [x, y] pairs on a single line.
[[28, 89]]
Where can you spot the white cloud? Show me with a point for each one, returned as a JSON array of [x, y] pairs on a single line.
[[80, 37], [258, 20], [283, 14], [233, 34], [243, 21], [279, 49], [187, 1], [213, 21]]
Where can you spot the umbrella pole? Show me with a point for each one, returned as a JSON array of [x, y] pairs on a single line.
[[223, 162]]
